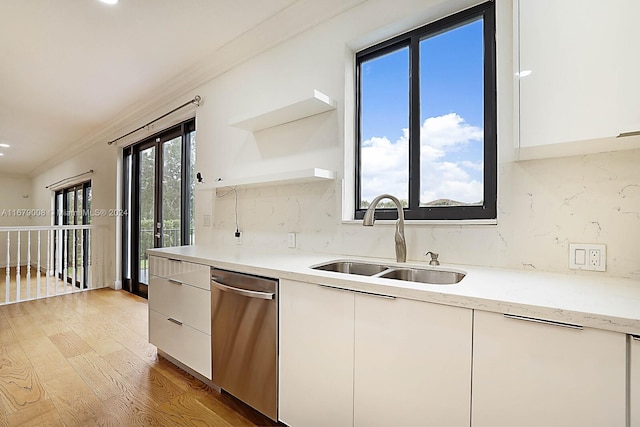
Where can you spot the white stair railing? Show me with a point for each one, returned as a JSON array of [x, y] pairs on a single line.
[[73, 256]]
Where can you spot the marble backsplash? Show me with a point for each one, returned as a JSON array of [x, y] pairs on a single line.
[[543, 206]]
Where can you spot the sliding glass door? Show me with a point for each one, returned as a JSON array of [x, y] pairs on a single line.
[[73, 207], [158, 198]]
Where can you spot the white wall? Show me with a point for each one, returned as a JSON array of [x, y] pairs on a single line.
[[543, 204], [102, 159], [15, 198], [15, 194]]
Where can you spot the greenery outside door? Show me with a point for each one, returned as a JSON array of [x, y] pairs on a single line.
[[158, 200], [72, 247]]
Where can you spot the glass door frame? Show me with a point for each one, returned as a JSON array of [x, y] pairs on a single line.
[[131, 200], [65, 216]]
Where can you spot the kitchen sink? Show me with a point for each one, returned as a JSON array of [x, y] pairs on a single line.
[[433, 277], [408, 274], [352, 267]]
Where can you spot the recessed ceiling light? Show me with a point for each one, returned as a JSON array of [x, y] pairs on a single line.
[[4, 145], [1, 154], [109, 1]]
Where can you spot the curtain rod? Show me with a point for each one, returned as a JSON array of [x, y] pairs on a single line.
[[69, 178], [196, 100]]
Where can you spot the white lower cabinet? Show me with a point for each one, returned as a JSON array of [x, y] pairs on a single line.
[[412, 363], [180, 312], [316, 355], [179, 271], [634, 381], [181, 341], [348, 358], [187, 303], [528, 373]]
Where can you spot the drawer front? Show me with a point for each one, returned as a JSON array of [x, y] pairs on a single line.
[[185, 303], [183, 343], [186, 272]]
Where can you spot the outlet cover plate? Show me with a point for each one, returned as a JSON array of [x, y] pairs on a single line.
[[585, 256], [291, 240]]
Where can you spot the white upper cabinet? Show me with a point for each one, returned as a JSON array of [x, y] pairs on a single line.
[[570, 94], [577, 76], [629, 68]]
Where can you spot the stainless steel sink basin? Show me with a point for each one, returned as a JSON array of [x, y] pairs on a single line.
[[408, 274], [433, 277], [352, 267]]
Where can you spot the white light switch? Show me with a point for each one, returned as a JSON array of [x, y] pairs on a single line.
[[584, 256]]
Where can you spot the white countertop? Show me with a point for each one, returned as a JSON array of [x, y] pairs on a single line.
[[592, 301]]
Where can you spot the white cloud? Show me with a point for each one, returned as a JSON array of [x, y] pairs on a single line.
[[385, 167], [448, 131], [385, 163], [476, 166]]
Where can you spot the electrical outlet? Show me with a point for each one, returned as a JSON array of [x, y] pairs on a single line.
[[583, 256], [291, 240], [238, 237], [594, 257], [206, 220]]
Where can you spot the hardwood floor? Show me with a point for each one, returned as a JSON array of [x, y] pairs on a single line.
[[30, 287], [84, 359]]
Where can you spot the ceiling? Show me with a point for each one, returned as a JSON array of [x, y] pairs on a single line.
[[70, 69]]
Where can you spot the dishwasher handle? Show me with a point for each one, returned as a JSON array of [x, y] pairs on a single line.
[[240, 291]]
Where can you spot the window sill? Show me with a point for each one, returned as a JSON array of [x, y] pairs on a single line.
[[429, 223]]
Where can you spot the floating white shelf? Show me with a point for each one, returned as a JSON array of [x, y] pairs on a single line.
[[298, 109], [289, 177]]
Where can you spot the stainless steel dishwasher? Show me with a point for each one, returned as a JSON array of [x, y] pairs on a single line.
[[244, 338]]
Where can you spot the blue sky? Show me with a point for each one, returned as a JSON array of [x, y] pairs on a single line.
[[451, 114]]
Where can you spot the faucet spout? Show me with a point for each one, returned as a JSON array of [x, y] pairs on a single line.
[[369, 219]]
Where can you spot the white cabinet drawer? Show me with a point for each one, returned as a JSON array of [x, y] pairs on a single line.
[[182, 342], [183, 271], [185, 303]]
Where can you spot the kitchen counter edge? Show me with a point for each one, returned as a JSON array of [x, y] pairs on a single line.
[[596, 301]]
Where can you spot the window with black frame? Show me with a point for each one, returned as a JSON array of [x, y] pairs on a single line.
[[426, 120]]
